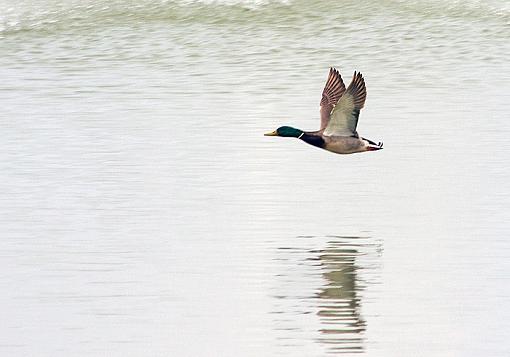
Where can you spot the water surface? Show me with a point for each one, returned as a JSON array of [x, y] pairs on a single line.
[[143, 212]]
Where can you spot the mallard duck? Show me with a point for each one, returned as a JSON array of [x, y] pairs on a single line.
[[339, 112]]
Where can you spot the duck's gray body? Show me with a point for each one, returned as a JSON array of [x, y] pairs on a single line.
[[346, 145], [339, 144]]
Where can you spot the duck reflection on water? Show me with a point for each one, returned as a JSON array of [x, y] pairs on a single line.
[[322, 291], [340, 296]]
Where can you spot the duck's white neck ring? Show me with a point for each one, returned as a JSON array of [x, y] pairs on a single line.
[[303, 133]]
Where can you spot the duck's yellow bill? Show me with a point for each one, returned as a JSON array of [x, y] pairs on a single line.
[[273, 133]]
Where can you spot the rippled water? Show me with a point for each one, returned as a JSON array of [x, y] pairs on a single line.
[[143, 212]]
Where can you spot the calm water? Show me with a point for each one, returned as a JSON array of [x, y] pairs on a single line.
[[144, 214]]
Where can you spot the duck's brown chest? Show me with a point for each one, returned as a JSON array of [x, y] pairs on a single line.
[[314, 140]]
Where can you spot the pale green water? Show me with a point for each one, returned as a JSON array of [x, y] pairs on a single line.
[[144, 214]]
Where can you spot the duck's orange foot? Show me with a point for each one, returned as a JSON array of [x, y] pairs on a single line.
[[372, 147]]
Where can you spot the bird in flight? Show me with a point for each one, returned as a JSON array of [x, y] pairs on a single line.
[[339, 111]]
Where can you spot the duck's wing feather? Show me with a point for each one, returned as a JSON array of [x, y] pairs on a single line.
[[344, 116], [332, 92]]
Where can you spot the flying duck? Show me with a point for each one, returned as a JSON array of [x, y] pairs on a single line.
[[339, 111]]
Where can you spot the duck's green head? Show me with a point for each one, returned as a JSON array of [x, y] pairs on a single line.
[[286, 131]]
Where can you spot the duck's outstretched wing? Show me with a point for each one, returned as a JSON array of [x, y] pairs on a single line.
[[332, 92], [344, 116]]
